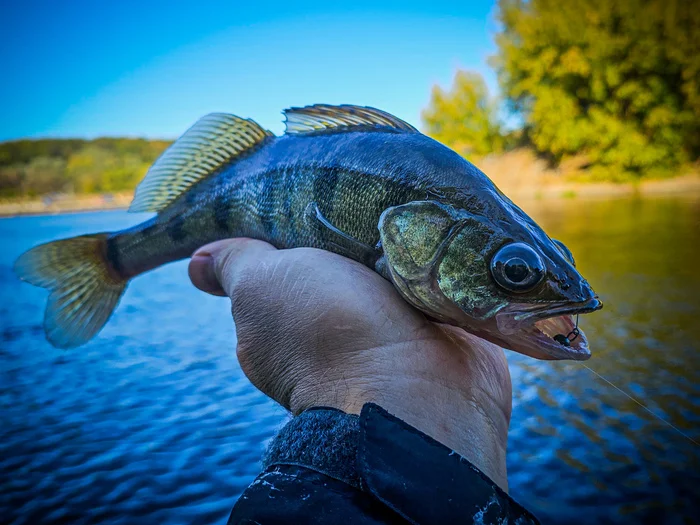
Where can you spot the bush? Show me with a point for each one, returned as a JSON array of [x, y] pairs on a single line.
[[30, 168], [618, 82], [465, 118]]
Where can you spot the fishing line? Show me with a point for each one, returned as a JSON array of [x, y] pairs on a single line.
[[645, 408], [566, 340]]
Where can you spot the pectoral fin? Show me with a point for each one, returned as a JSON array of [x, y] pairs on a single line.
[[343, 243]]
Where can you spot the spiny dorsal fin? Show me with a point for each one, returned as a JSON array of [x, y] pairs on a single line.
[[322, 117], [214, 140]]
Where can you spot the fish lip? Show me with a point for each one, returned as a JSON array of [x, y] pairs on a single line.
[[532, 341], [517, 316], [550, 310], [577, 352], [517, 324]]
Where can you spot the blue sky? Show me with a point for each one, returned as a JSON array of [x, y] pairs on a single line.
[[152, 68]]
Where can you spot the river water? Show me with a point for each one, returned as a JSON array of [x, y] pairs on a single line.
[[153, 421]]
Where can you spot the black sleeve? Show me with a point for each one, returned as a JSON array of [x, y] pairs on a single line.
[[328, 467]]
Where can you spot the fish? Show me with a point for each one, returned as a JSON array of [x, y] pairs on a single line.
[[353, 180]]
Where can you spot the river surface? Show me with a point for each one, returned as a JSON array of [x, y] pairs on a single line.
[[153, 421]]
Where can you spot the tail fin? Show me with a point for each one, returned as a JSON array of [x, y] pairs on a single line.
[[84, 290]]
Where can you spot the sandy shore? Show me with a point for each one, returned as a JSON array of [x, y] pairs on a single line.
[[521, 175], [689, 184], [65, 204]]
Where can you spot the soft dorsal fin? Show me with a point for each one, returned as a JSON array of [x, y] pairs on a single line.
[[214, 141], [322, 117]]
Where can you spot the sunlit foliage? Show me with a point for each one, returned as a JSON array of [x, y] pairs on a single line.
[[30, 168], [465, 118], [614, 87], [617, 82]]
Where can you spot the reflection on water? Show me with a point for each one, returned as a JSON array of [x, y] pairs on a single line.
[[153, 420], [580, 447]]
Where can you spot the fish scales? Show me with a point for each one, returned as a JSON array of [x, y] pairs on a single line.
[[355, 181]]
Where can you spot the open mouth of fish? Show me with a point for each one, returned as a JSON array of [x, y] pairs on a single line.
[[547, 331]]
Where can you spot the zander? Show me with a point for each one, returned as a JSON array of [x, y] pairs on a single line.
[[353, 180]]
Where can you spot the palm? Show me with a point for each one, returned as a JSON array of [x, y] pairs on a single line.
[[303, 312], [316, 329]]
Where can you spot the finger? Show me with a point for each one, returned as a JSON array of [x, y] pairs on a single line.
[[202, 275], [213, 267]]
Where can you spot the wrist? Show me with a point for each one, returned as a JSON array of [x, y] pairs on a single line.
[[459, 414]]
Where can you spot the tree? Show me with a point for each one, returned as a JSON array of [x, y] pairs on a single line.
[[36, 167], [616, 81], [44, 175], [466, 117]]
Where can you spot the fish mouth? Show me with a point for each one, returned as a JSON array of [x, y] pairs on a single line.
[[526, 328], [546, 331]]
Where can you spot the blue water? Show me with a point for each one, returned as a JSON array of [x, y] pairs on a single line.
[[153, 421]]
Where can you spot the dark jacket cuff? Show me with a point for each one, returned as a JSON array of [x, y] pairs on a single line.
[[417, 477]]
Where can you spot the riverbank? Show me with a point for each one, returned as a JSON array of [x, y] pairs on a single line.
[[65, 204], [523, 176], [519, 174]]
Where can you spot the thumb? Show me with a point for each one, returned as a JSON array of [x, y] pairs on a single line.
[[214, 268]]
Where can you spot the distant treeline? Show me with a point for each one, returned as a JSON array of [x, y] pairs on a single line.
[[611, 88], [29, 168]]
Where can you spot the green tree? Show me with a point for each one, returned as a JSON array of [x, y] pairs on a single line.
[[44, 175], [465, 118], [36, 167], [11, 180], [618, 82]]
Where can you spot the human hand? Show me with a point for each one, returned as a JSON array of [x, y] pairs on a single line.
[[317, 329]]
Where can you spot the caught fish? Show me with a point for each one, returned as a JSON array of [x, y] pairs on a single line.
[[353, 180]]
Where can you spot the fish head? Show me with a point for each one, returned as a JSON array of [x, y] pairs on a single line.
[[492, 271]]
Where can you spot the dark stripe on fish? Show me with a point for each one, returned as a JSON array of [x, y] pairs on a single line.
[[324, 193], [268, 218], [176, 229], [222, 211], [287, 200]]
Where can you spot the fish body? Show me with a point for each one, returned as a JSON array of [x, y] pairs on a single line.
[[351, 177], [355, 181]]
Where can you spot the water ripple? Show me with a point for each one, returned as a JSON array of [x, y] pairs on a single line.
[[153, 421]]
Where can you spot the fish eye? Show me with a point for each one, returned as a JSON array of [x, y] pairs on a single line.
[[565, 252], [517, 268]]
